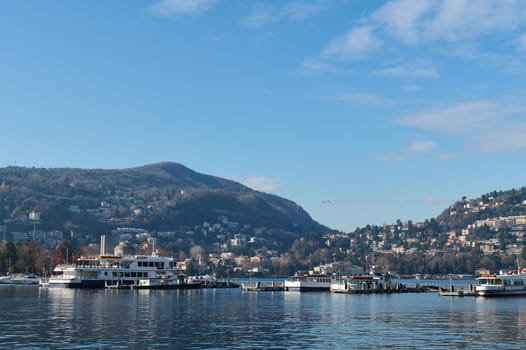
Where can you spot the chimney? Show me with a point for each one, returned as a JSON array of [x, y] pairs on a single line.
[[103, 245]]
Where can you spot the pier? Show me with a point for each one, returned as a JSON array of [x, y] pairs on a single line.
[[263, 286]]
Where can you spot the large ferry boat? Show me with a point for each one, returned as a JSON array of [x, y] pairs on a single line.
[[109, 270], [305, 282], [508, 283]]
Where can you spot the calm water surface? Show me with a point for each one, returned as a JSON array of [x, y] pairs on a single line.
[[39, 318]]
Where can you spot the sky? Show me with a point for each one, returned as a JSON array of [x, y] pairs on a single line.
[[362, 112]]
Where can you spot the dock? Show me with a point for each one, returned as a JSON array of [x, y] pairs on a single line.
[[459, 292], [263, 286]]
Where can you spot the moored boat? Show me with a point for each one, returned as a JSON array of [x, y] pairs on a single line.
[[306, 282], [374, 282], [508, 283], [166, 282], [19, 278], [102, 271], [356, 284]]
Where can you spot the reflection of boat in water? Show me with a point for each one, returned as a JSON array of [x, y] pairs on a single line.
[[19, 278], [305, 282], [106, 271], [508, 283]]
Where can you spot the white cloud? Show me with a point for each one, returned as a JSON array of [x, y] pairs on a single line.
[[261, 183], [462, 19], [314, 66], [169, 8], [458, 118], [486, 125], [402, 19], [357, 43], [300, 10], [263, 14], [409, 23], [410, 72], [415, 21], [510, 137], [413, 150]]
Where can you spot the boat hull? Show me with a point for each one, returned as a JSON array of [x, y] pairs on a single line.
[[500, 292], [307, 289], [171, 286], [76, 283]]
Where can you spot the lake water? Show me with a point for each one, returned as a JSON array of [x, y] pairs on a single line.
[[41, 318]]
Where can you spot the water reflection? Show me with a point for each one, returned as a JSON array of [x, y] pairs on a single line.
[[100, 319]]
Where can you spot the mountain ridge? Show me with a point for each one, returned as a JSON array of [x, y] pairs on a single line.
[[163, 195]]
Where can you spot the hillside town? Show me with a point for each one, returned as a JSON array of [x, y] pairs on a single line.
[[225, 247]]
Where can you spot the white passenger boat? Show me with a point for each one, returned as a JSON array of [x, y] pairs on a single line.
[[357, 284], [107, 270], [365, 283], [508, 283], [166, 282], [305, 282], [19, 278]]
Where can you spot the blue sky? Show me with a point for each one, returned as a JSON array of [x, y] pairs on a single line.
[[363, 112]]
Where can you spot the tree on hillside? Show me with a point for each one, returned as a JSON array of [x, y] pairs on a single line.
[[9, 257]]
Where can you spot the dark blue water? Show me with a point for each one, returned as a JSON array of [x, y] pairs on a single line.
[[35, 318]]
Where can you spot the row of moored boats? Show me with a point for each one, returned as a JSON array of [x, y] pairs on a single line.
[[506, 283], [159, 272]]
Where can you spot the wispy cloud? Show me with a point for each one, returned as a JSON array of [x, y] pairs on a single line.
[[402, 19], [261, 183], [422, 147], [265, 14], [416, 21], [366, 99], [521, 43], [357, 43], [508, 137], [261, 15], [408, 71], [314, 66], [415, 149], [409, 24], [431, 201], [487, 125], [458, 118], [171, 8]]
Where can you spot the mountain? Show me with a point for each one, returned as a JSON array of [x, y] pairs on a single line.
[[162, 196]]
